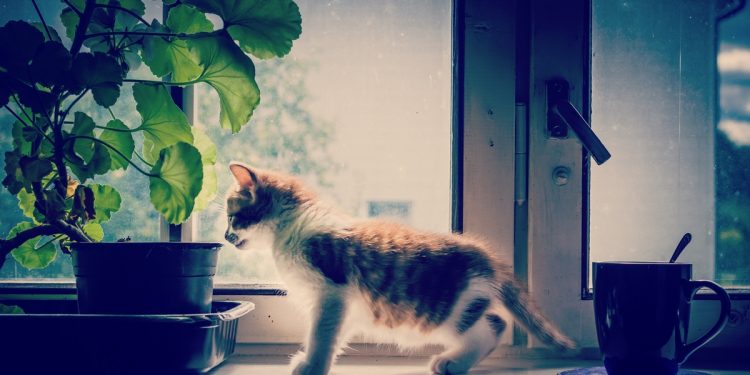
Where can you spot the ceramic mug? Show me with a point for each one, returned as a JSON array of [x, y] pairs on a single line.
[[642, 313]]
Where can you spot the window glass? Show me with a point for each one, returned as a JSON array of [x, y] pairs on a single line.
[[679, 146], [360, 110], [733, 151], [136, 218]]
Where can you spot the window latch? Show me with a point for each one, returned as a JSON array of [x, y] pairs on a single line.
[[561, 114]]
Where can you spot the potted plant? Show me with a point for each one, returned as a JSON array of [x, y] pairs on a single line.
[[58, 151]]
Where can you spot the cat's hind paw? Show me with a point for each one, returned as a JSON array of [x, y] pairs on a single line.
[[440, 365], [299, 364]]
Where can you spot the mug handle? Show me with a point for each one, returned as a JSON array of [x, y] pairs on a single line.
[[726, 306]]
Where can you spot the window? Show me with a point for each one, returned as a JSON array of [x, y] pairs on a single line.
[[732, 151], [674, 168], [360, 110]]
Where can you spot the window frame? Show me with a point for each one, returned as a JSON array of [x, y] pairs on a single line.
[[559, 222]]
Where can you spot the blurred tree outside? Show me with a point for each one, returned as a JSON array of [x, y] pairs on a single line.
[[732, 212], [283, 135], [732, 152]]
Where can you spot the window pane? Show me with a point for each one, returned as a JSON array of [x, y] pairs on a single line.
[[653, 95], [136, 218], [360, 110], [733, 151]]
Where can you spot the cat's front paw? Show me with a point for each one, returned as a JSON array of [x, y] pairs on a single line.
[[301, 366]]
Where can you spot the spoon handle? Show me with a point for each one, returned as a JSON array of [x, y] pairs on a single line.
[[680, 246]]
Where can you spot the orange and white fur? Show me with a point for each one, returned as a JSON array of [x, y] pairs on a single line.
[[380, 279]]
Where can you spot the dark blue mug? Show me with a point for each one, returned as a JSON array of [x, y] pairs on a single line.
[[642, 313]]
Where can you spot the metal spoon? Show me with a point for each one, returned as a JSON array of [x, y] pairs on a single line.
[[681, 246]]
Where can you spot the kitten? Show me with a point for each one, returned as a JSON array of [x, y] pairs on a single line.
[[381, 279]]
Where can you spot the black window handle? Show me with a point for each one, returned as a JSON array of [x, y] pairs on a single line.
[[560, 112]]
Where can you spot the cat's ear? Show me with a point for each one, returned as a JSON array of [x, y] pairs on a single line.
[[244, 176]]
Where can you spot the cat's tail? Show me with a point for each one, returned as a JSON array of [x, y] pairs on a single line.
[[524, 310]]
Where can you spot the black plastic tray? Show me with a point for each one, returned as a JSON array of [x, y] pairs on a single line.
[[51, 338]]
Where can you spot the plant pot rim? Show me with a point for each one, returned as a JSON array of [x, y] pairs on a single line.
[[140, 244]]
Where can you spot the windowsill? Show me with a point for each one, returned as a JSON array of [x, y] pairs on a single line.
[[378, 365], [67, 286]]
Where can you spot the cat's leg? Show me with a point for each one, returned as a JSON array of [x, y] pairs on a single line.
[[472, 345], [323, 339]]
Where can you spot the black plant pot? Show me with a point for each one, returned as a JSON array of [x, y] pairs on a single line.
[[144, 277]]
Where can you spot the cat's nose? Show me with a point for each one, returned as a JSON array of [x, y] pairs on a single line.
[[231, 237]]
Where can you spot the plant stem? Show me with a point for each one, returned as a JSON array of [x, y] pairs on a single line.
[[71, 231], [67, 110], [46, 29], [128, 11], [128, 130], [33, 125], [144, 33], [36, 188], [130, 44], [162, 82], [23, 110], [16, 115], [83, 25]]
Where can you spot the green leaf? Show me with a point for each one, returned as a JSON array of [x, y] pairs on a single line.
[[51, 63], [205, 145], [208, 189], [263, 28], [39, 100], [26, 202], [123, 20], [215, 59], [83, 125], [34, 170], [94, 231], [119, 136], [28, 254], [10, 309], [98, 164], [86, 157], [5, 88], [170, 57], [164, 124], [186, 19], [53, 33], [179, 179], [107, 201], [69, 19], [232, 74], [55, 205], [83, 204], [23, 138], [100, 73], [18, 43], [135, 6], [14, 180], [207, 148]]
